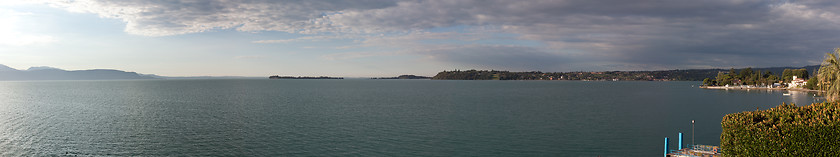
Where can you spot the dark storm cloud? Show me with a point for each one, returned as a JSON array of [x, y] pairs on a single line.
[[606, 34], [655, 34]]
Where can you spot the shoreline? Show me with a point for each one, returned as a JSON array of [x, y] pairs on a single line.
[[759, 88]]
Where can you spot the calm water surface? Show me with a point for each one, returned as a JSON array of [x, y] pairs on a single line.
[[362, 117]]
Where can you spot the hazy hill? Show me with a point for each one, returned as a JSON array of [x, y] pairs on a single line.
[[778, 70], [50, 73], [6, 68]]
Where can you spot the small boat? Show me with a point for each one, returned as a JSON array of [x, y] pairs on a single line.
[[786, 94]]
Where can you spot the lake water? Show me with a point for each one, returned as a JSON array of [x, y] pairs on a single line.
[[357, 117]]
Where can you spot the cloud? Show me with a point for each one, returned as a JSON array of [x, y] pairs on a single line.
[[11, 35], [306, 38], [459, 49], [616, 34], [517, 58], [163, 18], [17, 2], [248, 57], [475, 56], [356, 55], [19, 39]]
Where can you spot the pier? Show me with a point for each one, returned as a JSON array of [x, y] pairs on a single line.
[[693, 150], [696, 151]]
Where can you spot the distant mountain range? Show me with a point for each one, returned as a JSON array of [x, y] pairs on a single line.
[[50, 73]]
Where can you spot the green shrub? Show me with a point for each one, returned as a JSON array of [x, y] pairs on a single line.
[[786, 130]]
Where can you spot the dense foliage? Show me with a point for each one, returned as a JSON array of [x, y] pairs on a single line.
[[669, 75], [788, 74], [303, 77], [749, 77], [404, 77], [811, 84], [829, 74], [744, 77], [786, 130], [662, 75]]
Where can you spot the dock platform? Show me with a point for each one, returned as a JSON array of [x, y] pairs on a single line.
[[696, 151]]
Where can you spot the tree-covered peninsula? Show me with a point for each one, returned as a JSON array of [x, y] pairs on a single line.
[[662, 75], [757, 78], [404, 77], [671, 75], [302, 77]]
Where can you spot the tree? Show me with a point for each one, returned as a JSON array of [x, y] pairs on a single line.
[[811, 84], [745, 73], [801, 73], [767, 74], [787, 75], [707, 82], [732, 72], [723, 79], [772, 79], [828, 75]]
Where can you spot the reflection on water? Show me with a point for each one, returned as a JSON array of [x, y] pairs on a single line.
[[800, 98]]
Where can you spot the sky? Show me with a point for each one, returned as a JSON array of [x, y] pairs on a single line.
[[377, 38]]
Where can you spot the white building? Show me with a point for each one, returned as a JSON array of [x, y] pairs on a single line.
[[797, 82]]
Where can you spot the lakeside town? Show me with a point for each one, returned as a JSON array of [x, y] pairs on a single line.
[[791, 79]]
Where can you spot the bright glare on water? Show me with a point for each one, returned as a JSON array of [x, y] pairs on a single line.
[[363, 117]]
